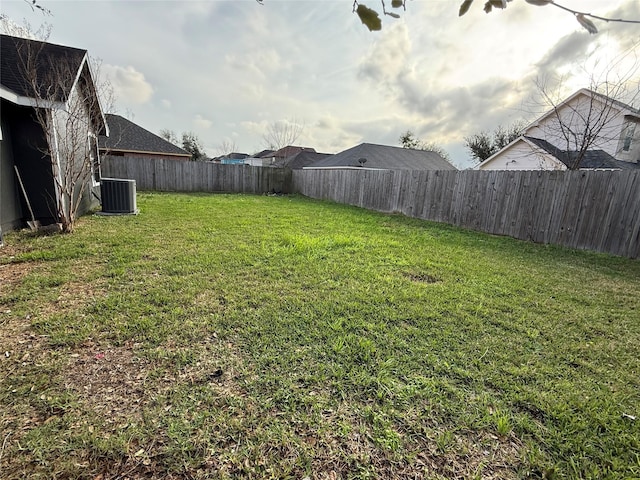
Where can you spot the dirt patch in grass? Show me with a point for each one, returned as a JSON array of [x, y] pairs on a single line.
[[421, 277], [74, 295], [118, 381], [21, 354], [465, 455], [475, 454], [109, 380], [11, 273]]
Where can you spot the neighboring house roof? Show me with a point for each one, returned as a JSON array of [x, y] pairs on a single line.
[[583, 111], [592, 159], [263, 154], [126, 136], [627, 109], [43, 75], [284, 152], [25, 62], [304, 159], [385, 157], [232, 156]]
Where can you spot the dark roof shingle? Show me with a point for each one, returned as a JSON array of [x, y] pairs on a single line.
[[124, 135], [21, 59], [386, 157], [304, 159], [592, 158]]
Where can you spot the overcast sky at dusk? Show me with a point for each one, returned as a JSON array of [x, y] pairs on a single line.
[[226, 69]]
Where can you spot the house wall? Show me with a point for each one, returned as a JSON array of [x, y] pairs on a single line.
[[25, 143], [576, 114], [10, 206], [73, 129], [256, 162], [521, 156]]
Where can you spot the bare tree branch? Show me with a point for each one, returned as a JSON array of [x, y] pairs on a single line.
[[282, 133], [588, 122], [370, 18]]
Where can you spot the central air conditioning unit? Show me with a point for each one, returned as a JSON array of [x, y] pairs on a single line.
[[118, 196]]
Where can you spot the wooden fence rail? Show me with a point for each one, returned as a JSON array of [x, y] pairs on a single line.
[[592, 210]]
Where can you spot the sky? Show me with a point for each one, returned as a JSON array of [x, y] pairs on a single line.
[[227, 70]]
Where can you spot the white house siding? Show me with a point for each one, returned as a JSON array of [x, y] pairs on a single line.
[[522, 156], [254, 162], [573, 114], [72, 130]]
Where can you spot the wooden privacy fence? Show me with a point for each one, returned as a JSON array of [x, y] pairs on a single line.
[[593, 210], [185, 176], [586, 209]]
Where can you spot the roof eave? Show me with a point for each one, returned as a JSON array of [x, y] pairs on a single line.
[[85, 61], [503, 149], [621, 106], [24, 101], [146, 152]]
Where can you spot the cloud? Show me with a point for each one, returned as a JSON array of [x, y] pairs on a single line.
[[388, 58], [326, 122], [436, 109], [130, 85], [166, 103], [259, 63], [567, 50], [626, 33], [255, 127], [201, 122]]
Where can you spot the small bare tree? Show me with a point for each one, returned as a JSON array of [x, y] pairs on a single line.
[[67, 108], [225, 147], [282, 133]]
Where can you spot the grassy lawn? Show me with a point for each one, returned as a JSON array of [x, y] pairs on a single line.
[[231, 336]]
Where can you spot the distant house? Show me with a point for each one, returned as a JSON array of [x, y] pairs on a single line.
[[382, 157], [554, 141], [278, 158], [234, 158], [263, 153], [54, 80], [127, 139], [304, 159]]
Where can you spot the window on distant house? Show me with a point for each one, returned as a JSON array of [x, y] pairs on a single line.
[[627, 135]]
